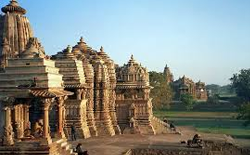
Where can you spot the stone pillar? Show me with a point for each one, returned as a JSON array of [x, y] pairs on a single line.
[[8, 132], [46, 135], [17, 125], [61, 118], [21, 121], [26, 117]]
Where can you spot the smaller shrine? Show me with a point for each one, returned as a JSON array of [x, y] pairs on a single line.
[[133, 104]]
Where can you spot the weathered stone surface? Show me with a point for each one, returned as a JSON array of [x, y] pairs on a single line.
[[100, 77], [15, 29]]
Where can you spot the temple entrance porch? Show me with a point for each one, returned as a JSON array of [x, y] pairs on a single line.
[[26, 125]]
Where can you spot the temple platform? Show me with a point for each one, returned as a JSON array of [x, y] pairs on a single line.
[[130, 144], [35, 147]]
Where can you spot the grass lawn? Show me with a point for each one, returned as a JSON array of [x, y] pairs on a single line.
[[211, 122]]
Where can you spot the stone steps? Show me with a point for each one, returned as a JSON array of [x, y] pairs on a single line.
[[64, 147], [159, 126]]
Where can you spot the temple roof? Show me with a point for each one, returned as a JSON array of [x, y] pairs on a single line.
[[50, 93], [129, 86], [13, 7], [82, 46], [76, 86]]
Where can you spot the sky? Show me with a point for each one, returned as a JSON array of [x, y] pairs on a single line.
[[207, 40]]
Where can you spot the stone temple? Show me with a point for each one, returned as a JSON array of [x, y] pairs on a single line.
[[185, 85], [42, 96]]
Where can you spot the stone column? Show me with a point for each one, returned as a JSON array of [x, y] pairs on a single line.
[[21, 121], [46, 135], [26, 117], [18, 127], [61, 118], [8, 132]]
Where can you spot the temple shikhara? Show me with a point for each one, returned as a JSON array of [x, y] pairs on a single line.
[[42, 97]]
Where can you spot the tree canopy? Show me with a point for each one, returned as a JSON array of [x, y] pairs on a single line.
[[241, 83], [162, 92], [244, 113]]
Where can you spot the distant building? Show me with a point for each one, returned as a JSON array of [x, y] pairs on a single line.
[[185, 85], [201, 92]]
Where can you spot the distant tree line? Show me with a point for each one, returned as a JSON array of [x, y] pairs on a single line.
[[220, 90]]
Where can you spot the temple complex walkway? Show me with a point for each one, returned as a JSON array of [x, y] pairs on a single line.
[[119, 144]]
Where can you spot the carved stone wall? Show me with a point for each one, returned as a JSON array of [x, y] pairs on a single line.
[[134, 107], [101, 99], [89, 74]]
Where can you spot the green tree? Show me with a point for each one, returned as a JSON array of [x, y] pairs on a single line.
[[241, 83], [244, 113], [188, 100], [162, 92]]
